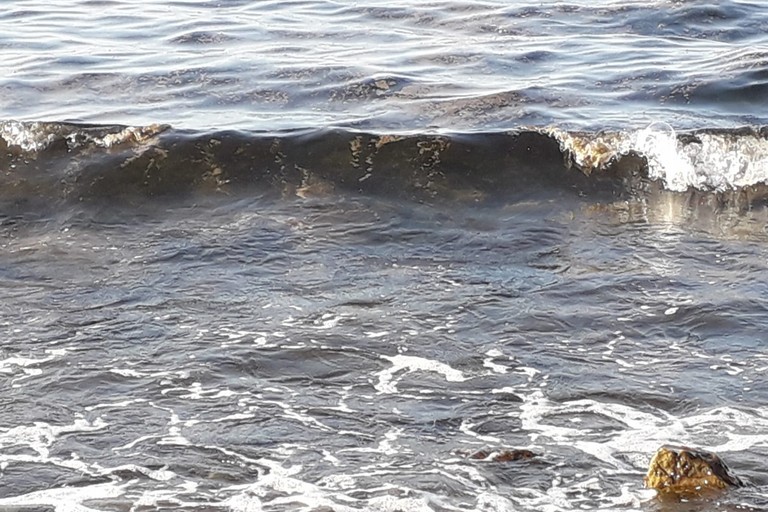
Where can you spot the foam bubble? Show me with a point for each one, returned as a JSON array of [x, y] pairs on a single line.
[[385, 446], [658, 143], [293, 491], [704, 160], [488, 361], [41, 435], [67, 499], [37, 136], [196, 392], [328, 321], [127, 372], [400, 363], [467, 428], [160, 475], [23, 367], [721, 429]]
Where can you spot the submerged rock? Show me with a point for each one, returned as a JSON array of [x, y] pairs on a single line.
[[688, 471], [507, 455]]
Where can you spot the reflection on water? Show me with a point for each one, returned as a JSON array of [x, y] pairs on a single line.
[[724, 216], [453, 65], [330, 320], [342, 352]]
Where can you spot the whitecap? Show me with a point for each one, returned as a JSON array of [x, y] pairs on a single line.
[[387, 382], [67, 499]]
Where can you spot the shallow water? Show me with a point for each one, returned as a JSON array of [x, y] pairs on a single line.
[[308, 255], [340, 353]]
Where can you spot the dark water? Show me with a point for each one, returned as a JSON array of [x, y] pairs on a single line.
[[308, 255]]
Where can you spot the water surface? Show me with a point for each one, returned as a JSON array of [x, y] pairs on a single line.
[[308, 255]]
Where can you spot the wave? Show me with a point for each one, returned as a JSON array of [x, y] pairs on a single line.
[[714, 160], [75, 161]]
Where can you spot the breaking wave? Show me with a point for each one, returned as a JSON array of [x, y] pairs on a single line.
[[80, 162]]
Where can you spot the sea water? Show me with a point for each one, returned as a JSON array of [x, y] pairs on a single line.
[[308, 255]]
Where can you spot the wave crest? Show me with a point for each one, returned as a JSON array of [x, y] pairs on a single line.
[[80, 161], [706, 160], [39, 136]]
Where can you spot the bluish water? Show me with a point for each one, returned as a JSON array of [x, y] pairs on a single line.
[[385, 65], [308, 255]]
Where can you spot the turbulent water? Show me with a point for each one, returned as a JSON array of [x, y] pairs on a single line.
[[312, 255]]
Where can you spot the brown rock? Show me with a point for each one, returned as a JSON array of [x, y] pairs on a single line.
[[500, 455], [688, 471]]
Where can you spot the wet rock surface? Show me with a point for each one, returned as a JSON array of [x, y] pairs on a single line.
[[680, 470], [501, 455]]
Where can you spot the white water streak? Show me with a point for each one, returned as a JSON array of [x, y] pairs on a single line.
[[400, 363]]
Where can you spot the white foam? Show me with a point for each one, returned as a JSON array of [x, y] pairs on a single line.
[[196, 392], [491, 502], [36, 136], [467, 428], [706, 161], [67, 499], [235, 336], [235, 417], [160, 475], [400, 363], [133, 443], [306, 419], [121, 404], [27, 136], [385, 445], [328, 321], [22, 367], [41, 435], [154, 497], [488, 361], [720, 430], [395, 504], [658, 143], [39, 438], [175, 439], [296, 493], [127, 372], [529, 372]]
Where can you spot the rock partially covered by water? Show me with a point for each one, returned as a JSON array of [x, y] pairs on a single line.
[[504, 455], [688, 471]]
